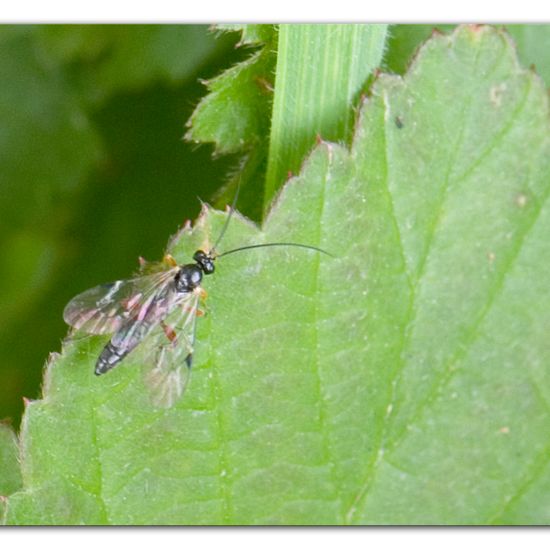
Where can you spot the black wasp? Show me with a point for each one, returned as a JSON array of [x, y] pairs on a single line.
[[161, 307]]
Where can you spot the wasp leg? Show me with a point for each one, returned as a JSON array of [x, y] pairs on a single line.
[[170, 332], [169, 260], [173, 338]]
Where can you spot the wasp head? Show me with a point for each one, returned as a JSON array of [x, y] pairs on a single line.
[[204, 261]]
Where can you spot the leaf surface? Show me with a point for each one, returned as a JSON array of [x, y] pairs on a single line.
[[404, 381], [10, 475]]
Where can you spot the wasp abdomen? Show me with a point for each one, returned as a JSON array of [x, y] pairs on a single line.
[[109, 358]]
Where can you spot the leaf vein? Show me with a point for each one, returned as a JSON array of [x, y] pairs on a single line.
[[450, 368]]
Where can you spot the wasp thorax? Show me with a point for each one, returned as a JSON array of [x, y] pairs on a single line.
[[188, 278], [204, 261]]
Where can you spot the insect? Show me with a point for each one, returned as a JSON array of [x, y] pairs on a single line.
[[161, 307]]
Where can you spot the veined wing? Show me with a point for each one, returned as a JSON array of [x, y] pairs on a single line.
[[106, 308], [170, 352], [154, 309]]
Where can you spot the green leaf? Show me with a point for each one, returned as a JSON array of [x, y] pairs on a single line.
[[245, 88], [10, 475], [404, 41], [235, 114], [251, 34], [532, 42], [314, 94], [316, 90], [466, 149], [404, 381]]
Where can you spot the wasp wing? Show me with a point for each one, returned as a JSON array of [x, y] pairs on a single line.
[[171, 353], [107, 308]]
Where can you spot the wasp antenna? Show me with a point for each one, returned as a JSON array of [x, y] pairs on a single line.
[[298, 245], [226, 224]]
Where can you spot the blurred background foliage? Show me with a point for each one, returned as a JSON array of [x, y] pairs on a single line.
[[94, 170]]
